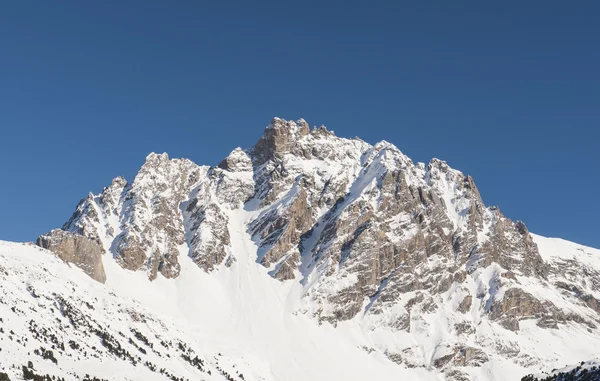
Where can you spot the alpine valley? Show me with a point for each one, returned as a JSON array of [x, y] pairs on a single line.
[[305, 257]]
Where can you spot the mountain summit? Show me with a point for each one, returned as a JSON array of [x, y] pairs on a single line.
[[402, 258]]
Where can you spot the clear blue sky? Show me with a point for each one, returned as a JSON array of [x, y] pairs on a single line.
[[508, 92]]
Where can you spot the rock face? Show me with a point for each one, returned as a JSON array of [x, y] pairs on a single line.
[[370, 236], [79, 250], [462, 356]]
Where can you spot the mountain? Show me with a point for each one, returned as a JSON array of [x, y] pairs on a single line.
[[307, 256]]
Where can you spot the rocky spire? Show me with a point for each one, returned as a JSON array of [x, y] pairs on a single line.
[[237, 161], [278, 138]]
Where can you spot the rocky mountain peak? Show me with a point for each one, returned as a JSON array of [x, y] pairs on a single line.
[[304, 126], [367, 234], [119, 182], [237, 161], [154, 158], [322, 130], [278, 139]]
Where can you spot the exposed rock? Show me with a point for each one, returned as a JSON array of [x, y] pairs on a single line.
[[468, 356], [79, 250], [509, 275], [281, 227], [237, 161], [515, 305], [405, 358], [395, 357], [511, 246], [510, 323], [465, 305], [285, 269], [460, 276], [547, 322], [457, 375], [208, 247], [153, 229], [591, 302], [233, 182], [464, 328], [442, 361], [462, 356], [278, 139], [132, 257]]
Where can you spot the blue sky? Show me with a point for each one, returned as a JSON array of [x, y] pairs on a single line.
[[507, 92]]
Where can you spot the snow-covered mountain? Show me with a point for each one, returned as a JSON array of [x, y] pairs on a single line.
[[305, 257]]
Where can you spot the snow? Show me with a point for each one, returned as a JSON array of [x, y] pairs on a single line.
[[238, 311], [590, 365], [556, 248], [252, 320]]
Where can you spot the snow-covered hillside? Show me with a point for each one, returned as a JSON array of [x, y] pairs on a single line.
[[307, 256], [236, 322], [584, 371]]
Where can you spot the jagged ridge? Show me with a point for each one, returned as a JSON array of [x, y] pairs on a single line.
[[368, 233]]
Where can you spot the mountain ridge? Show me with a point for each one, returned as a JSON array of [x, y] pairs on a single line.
[[354, 235]]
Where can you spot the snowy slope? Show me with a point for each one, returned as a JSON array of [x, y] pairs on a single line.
[[237, 320], [584, 371]]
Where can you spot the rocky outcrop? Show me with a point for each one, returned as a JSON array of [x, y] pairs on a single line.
[[279, 229], [462, 356], [516, 305], [465, 305], [154, 223], [512, 247], [208, 235], [232, 181], [457, 375], [278, 139], [79, 250]]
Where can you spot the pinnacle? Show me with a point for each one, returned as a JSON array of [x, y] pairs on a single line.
[[153, 157], [119, 181], [278, 138], [299, 126]]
